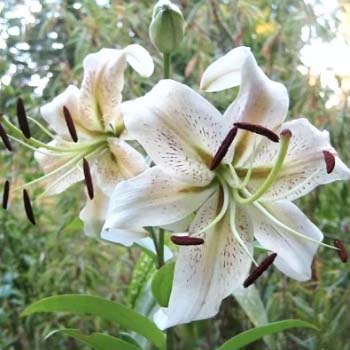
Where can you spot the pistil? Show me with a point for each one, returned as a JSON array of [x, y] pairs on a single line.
[[285, 139]]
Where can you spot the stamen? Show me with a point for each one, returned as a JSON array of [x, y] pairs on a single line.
[[22, 118], [343, 254], [28, 207], [330, 161], [256, 273], [6, 193], [258, 129], [5, 138], [70, 124], [223, 148], [285, 138], [88, 179], [186, 240]]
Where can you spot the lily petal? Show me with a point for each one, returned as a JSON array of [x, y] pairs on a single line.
[[150, 199], [206, 274], [139, 59], [118, 163], [225, 72], [94, 213], [178, 128], [60, 180], [260, 101], [52, 112], [294, 254], [304, 167]]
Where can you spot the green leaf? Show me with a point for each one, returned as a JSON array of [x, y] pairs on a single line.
[[99, 341], [162, 283], [254, 334], [250, 301], [106, 309]]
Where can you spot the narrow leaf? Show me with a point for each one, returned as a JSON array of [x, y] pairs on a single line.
[[162, 283], [98, 341], [106, 309], [254, 334]]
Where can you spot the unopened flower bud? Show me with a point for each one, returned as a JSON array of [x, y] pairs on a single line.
[[167, 27]]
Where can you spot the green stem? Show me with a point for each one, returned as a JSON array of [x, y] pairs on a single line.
[[170, 344], [166, 65], [161, 248]]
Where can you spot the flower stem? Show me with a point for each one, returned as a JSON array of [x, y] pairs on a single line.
[[170, 344], [161, 248], [166, 65]]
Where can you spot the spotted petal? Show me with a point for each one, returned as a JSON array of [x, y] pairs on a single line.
[[64, 170], [103, 82], [119, 162], [94, 213], [52, 112], [178, 128], [206, 274], [150, 199], [304, 168], [259, 101], [295, 254]]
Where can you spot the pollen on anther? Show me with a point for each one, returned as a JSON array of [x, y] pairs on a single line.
[[28, 207], [22, 118], [258, 129], [88, 179], [5, 138], [343, 254], [6, 194], [186, 240], [70, 124], [257, 272], [329, 160]]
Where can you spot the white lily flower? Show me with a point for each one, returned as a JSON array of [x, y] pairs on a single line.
[[92, 117], [238, 183]]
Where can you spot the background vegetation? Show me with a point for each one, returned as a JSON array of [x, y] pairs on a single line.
[[42, 45]]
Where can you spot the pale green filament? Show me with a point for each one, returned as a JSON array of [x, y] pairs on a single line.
[[225, 204], [271, 177], [237, 235], [250, 169], [277, 222], [41, 127], [32, 142]]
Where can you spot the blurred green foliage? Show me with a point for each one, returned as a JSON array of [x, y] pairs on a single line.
[[46, 41]]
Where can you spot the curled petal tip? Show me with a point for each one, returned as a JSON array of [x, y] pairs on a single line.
[[329, 160], [186, 240], [343, 254]]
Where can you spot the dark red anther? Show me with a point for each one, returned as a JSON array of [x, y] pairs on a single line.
[[257, 272], [186, 240], [5, 138], [6, 194], [88, 179], [222, 150], [28, 207], [258, 129], [70, 124], [330, 161], [343, 254], [22, 118]]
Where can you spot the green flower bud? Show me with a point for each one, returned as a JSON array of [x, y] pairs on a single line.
[[167, 27]]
